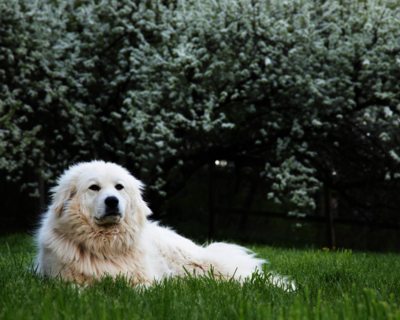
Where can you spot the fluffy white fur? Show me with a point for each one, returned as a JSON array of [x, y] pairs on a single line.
[[78, 240]]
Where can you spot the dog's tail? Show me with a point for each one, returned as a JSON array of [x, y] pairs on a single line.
[[240, 263], [282, 282], [233, 260]]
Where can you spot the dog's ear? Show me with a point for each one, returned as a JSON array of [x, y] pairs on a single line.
[[138, 204], [141, 206], [61, 194]]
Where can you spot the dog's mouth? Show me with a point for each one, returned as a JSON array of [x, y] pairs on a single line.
[[109, 217]]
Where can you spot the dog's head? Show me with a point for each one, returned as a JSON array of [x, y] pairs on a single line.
[[103, 192]]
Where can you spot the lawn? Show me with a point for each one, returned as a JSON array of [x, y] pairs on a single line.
[[330, 285]]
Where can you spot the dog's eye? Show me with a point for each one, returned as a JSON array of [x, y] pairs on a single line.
[[94, 187], [119, 187]]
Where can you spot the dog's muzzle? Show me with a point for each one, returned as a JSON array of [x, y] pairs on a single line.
[[111, 212]]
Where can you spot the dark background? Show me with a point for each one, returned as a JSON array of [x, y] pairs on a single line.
[[242, 213]]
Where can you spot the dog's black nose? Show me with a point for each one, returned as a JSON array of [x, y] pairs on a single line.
[[111, 202]]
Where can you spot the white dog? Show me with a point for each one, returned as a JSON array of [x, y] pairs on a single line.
[[97, 224]]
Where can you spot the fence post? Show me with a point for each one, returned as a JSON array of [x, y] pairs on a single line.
[[212, 230], [330, 231]]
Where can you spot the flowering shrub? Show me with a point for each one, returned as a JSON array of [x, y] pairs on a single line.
[[308, 91]]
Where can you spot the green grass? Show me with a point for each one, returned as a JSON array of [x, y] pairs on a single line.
[[331, 285]]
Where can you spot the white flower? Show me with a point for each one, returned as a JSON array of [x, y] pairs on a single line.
[[394, 155], [388, 113], [384, 136], [316, 123]]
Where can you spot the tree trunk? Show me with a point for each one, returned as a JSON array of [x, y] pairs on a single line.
[[212, 231], [247, 206], [330, 231]]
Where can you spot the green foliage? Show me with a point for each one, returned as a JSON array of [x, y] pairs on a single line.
[[308, 91], [331, 285]]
